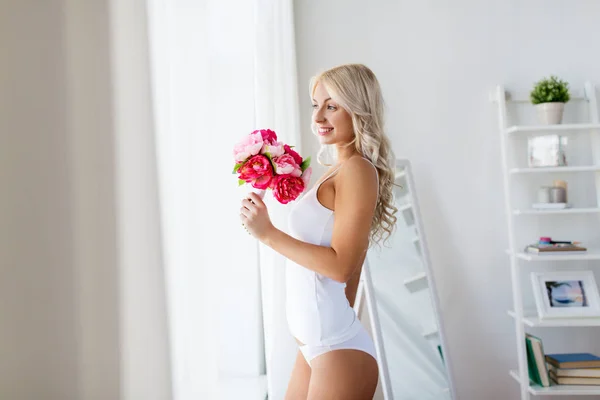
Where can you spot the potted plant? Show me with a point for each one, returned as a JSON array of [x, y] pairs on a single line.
[[549, 96]]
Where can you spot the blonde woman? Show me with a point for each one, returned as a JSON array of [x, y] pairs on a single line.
[[331, 227]]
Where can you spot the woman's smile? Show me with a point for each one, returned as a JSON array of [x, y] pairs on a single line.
[[325, 131]]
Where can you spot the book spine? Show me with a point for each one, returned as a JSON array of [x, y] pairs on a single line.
[[534, 374]]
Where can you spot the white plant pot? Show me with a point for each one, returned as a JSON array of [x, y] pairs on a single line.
[[550, 113]]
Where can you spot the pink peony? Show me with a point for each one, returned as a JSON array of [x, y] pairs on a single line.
[[292, 153], [306, 176], [286, 165], [265, 163], [249, 146], [275, 149], [287, 188], [268, 135], [257, 171]]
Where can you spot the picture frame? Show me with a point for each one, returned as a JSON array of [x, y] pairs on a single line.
[[547, 151], [566, 294]]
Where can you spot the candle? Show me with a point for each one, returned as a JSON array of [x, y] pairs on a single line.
[[544, 194], [558, 195], [562, 184]]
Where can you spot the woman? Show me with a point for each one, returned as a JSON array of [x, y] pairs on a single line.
[[325, 254]]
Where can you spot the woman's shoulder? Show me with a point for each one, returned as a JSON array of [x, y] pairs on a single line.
[[358, 172], [357, 185], [359, 165]]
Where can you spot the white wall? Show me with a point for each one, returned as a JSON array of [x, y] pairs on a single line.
[[437, 62]]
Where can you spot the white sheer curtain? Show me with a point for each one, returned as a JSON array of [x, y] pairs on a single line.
[[217, 74], [276, 106]]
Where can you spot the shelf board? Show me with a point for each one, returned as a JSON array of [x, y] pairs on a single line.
[[586, 255], [416, 283], [585, 168], [551, 128], [572, 210], [559, 390], [416, 278], [533, 321], [430, 334], [405, 207]]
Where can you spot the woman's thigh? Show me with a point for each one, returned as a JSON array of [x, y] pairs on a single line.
[[343, 375], [298, 386]]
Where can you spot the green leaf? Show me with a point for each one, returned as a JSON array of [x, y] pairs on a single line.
[[241, 182], [268, 155], [550, 89], [237, 166], [305, 164]]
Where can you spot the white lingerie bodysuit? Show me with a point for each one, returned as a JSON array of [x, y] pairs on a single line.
[[318, 312]]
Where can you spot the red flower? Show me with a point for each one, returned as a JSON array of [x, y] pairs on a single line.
[[258, 171], [292, 153], [268, 135], [287, 188]]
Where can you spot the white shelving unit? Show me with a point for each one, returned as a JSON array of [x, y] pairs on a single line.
[[512, 171]]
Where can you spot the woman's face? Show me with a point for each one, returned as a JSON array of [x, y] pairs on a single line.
[[334, 124]]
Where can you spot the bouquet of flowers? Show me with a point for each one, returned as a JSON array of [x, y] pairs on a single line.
[[265, 163]]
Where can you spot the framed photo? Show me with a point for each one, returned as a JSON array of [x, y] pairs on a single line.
[[547, 151], [566, 294]]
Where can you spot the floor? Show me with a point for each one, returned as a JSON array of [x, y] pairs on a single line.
[[247, 388]]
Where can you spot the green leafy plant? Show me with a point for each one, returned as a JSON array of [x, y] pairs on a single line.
[[550, 90]]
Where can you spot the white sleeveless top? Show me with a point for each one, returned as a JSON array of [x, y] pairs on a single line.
[[318, 312]]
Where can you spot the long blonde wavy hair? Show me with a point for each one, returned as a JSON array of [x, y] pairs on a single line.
[[357, 90]]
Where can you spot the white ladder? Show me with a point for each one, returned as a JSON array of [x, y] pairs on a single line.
[[502, 98]]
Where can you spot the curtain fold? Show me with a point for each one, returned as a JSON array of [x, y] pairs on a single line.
[[143, 346], [177, 78], [276, 96], [216, 76]]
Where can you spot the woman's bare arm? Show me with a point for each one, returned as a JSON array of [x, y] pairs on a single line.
[[355, 198]]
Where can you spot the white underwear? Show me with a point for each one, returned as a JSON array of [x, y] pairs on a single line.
[[361, 341]]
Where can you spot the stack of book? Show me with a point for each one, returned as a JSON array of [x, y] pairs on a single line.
[[555, 248], [560, 369], [574, 368]]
